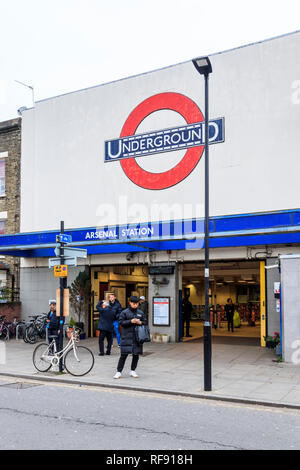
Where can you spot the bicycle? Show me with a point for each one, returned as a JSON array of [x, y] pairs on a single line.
[[4, 328], [36, 328], [78, 360]]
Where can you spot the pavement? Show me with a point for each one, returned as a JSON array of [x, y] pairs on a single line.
[[242, 371]]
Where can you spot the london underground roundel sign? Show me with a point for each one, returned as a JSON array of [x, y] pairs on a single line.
[[189, 137]]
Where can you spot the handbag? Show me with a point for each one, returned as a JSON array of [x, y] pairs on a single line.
[[142, 334]]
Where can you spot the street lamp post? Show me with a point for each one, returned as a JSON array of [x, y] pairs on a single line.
[[203, 66]]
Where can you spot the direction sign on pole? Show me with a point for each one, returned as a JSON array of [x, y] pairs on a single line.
[[63, 238], [69, 261], [72, 252]]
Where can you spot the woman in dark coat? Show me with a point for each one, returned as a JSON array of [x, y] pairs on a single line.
[[129, 318]]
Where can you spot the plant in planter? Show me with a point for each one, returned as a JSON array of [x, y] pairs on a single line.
[[80, 294], [71, 327], [272, 341]]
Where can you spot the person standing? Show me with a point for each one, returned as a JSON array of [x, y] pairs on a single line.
[[187, 308], [129, 318], [54, 324], [105, 325], [144, 306], [229, 310], [117, 308]]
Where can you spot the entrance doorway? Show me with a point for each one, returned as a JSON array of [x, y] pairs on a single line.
[[240, 281], [123, 280]]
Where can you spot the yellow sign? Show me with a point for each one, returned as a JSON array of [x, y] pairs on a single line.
[[61, 270]]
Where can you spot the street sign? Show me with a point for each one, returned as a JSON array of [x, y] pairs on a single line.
[[63, 238], [69, 261], [61, 270], [72, 252]]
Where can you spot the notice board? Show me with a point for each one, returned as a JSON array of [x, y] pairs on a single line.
[[161, 311]]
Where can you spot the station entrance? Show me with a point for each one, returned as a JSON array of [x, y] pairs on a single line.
[[240, 281], [123, 280]]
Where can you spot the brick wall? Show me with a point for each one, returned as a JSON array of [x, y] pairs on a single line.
[[10, 148]]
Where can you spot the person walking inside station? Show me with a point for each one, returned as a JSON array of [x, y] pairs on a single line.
[[187, 308], [54, 324], [129, 318], [229, 310], [105, 325], [117, 309]]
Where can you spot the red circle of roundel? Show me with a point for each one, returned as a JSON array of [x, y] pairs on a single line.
[[190, 112]]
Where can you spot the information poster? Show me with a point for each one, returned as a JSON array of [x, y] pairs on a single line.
[[161, 311]]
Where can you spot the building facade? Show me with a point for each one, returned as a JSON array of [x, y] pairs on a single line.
[[122, 164], [10, 158]]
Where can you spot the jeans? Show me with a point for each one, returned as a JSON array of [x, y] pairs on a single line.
[[117, 332]]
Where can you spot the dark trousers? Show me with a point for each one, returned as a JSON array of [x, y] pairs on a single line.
[[230, 322], [105, 334], [186, 322], [123, 357]]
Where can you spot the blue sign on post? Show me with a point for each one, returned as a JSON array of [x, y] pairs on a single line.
[[63, 238]]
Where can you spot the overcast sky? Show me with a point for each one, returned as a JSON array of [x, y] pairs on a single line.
[[60, 46]]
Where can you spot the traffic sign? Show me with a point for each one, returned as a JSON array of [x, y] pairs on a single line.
[[69, 261], [64, 238], [73, 252], [61, 270]]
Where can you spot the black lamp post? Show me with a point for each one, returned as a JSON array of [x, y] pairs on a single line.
[[203, 66]]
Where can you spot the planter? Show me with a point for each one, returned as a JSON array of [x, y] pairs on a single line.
[[97, 333], [69, 331], [82, 336], [157, 338], [165, 338], [278, 350]]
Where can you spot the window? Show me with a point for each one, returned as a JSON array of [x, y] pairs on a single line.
[[2, 227], [2, 177]]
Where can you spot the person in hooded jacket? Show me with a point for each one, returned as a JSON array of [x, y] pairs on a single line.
[[105, 325], [129, 319]]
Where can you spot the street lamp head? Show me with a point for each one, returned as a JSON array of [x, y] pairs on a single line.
[[202, 65]]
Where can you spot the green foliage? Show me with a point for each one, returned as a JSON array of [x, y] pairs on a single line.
[[80, 295]]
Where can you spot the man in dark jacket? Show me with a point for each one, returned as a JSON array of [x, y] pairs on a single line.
[[117, 308], [54, 324], [105, 325], [187, 308], [129, 318], [229, 310]]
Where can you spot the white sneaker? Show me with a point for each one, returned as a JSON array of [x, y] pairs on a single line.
[[133, 374], [118, 375]]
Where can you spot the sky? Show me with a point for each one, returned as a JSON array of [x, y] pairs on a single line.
[[59, 46]]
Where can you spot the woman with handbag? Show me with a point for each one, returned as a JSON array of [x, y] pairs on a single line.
[[129, 319]]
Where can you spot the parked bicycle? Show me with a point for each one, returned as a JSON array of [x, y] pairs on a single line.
[[4, 328], [35, 329], [78, 360]]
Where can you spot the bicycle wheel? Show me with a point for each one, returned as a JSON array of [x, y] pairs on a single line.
[[82, 364], [31, 335], [37, 358], [4, 333]]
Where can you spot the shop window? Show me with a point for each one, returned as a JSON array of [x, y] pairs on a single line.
[[2, 177]]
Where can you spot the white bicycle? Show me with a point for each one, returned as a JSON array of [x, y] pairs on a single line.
[[78, 360]]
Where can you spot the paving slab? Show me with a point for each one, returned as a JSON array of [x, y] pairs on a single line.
[[239, 372]]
